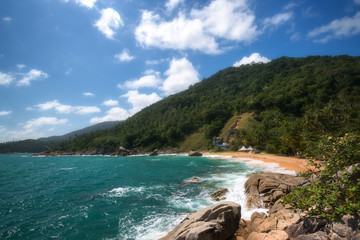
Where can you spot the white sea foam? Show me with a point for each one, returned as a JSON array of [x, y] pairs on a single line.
[[124, 191]]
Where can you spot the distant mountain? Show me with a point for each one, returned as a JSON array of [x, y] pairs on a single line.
[[43, 144], [285, 106]]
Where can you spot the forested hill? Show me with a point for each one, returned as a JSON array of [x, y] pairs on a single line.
[[47, 143], [284, 106]]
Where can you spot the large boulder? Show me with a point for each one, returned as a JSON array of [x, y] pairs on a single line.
[[269, 187], [217, 222], [122, 152]]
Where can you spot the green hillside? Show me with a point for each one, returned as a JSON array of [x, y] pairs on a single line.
[[48, 143], [291, 103]]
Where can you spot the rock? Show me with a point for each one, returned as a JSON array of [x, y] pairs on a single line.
[[195, 154], [154, 153], [313, 236], [219, 194], [348, 227], [192, 180], [305, 226], [122, 152], [269, 187], [267, 225], [217, 222]]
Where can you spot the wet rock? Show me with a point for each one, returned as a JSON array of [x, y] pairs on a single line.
[[219, 194], [192, 180], [217, 222]]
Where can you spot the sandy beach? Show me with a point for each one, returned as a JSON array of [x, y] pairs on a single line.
[[289, 163]]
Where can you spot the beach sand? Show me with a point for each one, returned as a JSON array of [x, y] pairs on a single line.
[[289, 163]]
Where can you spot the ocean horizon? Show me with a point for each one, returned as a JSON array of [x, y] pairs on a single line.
[[103, 197]]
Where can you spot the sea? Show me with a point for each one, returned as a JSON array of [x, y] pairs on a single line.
[[110, 197]]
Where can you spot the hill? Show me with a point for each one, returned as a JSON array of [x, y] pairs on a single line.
[[43, 144], [289, 104]]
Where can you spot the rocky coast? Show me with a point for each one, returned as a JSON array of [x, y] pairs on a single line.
[[223, 221]]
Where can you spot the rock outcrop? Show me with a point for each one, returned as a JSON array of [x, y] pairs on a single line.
[[219, 194], [195, 154], [217, 222], [192, 180], [154, 153], [264, 189]]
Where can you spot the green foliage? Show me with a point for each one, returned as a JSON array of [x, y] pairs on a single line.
[[294, 101], [337, 191]]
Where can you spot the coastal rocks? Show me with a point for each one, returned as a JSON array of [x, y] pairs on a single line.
[[154, 153], [192, 180], [267, 188], [217, 222], [219, 194], [318, 228], [195, 154], [122, 151]]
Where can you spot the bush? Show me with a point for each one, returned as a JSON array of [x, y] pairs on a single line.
[[337, 190]]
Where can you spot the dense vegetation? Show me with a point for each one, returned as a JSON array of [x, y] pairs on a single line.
[[336, 167], [290, 103]]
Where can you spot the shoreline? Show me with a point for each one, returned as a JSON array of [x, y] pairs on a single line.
[[289, 163]]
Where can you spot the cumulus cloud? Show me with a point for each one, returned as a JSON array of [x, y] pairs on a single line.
[[61, 108], [110, 103], [6, 78], [114, 114], [201, 29], [32, 75], [339, 28], [253, 58], [4, 113], [39, 122], [88, 94], [172, 4], [124, 56], [150, 80], [180, 75], [109, 22], [140, 100], [357, 1]]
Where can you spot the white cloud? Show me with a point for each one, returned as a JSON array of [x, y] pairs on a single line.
[[140, 101], [114, 114], [221, 19], [253, 58], [33, 74], [180, 75], [6, 78], [88, 94], [4, 113], [277, 19], [357, 1], [339, 28], [172, 4], [61, 108], [20, 66], [39, 122], [151, 80], [124, 56], [7, 19], [84, 3], [68, 71], [110, 103], [109, 22]]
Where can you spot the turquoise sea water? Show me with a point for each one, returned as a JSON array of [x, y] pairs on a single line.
[[101, 197]]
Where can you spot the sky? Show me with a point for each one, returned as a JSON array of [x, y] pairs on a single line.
[[69, 64]]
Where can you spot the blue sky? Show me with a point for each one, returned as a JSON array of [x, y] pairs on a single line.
[[68, 64]]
